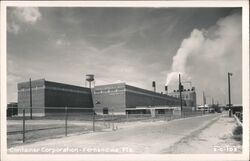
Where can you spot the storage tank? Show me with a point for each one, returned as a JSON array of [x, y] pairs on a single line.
[[90, 78]]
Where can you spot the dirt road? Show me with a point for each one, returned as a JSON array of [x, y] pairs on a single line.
[[140, 137], [215, 138]]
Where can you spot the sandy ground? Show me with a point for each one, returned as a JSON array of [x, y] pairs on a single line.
[[144, 137], [215, 138]]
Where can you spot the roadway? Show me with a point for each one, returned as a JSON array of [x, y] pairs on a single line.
[[135, 137]]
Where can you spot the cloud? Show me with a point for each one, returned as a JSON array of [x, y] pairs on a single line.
[[26, 15], [64, 44], [13, 28]]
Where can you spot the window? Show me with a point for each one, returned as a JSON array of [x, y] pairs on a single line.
[[112, 90], [120, 89], [105, 91], [97, 91], [105, 110]]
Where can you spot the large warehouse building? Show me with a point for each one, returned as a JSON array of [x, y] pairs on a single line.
[[122, 99], [117, 98], [47, 96]]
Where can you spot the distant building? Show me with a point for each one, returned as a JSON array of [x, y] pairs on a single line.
[[209, 108], [188, 95], [235, 108], [49, 95], [12, 109]]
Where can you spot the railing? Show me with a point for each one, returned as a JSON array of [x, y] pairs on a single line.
[[238, 117]]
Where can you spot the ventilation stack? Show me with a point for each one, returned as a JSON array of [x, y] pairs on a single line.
[[154, 86], [166, 90]]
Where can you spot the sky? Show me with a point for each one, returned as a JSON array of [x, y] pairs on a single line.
[[131, 45]]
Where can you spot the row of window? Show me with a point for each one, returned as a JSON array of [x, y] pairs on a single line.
[[67, 90], [113, 90], [33, 88]]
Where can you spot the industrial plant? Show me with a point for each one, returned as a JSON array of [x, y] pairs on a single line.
[[120, 98]]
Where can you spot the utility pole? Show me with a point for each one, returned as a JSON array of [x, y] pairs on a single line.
[[204, 99], [229, 93], [30, 100], [180, 89]]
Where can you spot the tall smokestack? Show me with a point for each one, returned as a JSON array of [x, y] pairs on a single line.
[[166, 89], [154, 86]]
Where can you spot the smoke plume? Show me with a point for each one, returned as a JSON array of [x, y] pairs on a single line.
[[206, 49]]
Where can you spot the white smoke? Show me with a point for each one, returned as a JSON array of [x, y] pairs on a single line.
[[189, 46], [211, 44]]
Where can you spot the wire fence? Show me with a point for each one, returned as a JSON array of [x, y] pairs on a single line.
[[59, 122]]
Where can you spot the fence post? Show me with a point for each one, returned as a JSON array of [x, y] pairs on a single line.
[[93, 120], [113, 125], [108, 120], [66, 121], [23, 125], [104, 120]]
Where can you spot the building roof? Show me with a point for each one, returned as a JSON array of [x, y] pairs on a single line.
[[42, 82]]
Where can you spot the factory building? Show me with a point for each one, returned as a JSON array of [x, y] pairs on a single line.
[[121, 98], [118, 98], [189, 97], [50, 95]]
